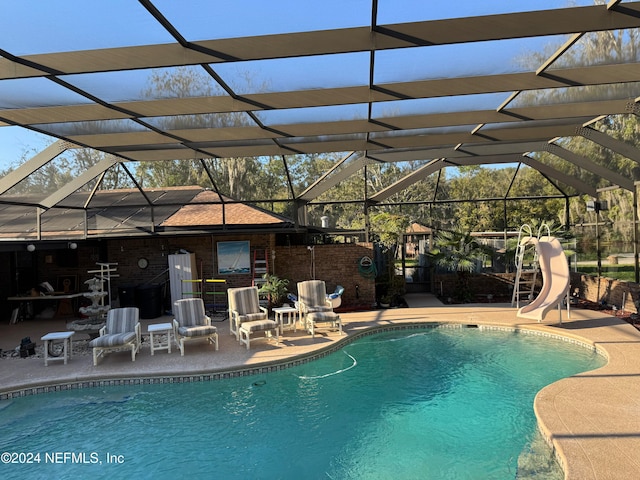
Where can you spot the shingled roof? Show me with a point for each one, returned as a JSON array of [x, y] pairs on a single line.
[[189, 209], [206, 210]]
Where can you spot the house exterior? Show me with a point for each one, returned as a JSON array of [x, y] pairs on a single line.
[[137, 241]]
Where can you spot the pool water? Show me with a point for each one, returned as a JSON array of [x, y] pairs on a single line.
[[436, 403]]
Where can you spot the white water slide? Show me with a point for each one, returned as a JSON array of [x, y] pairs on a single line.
[[555, 279]]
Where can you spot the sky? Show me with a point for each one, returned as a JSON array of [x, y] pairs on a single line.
[[16, 142]]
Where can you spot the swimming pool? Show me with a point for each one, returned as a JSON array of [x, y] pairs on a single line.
[[430, 403]]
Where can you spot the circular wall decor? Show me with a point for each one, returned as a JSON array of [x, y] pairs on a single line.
[[143, 262]]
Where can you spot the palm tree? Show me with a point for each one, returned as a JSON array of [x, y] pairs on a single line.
[[458, 251]]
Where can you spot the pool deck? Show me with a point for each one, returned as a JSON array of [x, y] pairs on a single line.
[[592, 419]]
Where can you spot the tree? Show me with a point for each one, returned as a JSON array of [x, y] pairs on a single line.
[[539, 227], [594, 48], [84, 158], [236, 177], [55, 174]]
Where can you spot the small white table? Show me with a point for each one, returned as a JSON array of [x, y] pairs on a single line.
[[67, 348], [291, 319], [159, 329]]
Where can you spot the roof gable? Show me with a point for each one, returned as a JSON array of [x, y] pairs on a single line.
[[206, 209]]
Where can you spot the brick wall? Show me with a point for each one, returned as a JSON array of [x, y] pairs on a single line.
[[607, 290], [335, 264], [126, 253]]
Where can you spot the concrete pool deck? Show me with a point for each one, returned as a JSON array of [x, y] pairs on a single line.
[[592, 419]]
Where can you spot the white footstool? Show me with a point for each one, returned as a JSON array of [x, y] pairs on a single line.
[[323, 317]]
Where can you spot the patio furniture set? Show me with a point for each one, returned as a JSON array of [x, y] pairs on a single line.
[[247, 318]]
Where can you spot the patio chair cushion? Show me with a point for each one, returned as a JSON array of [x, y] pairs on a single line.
[[190, 312], [121, 320], [111, 340], [319, 309], [252, 317], [192, 323], [245, 301], [312, 295], [322, 316], [197, 331], [258, 325]]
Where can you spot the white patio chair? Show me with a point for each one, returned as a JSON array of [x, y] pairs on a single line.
[[315, 307], [247, 316], [192, 323]]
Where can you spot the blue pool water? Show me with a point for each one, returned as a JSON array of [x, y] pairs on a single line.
[[438, 403]]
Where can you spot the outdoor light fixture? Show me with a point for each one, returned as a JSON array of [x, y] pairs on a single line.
[[31, 247], [597, 206], [73, 245]]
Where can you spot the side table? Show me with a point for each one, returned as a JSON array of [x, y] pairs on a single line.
[[158, 343], [67, 348], [291, 318]]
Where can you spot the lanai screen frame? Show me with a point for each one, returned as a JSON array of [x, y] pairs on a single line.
[[509, 132]]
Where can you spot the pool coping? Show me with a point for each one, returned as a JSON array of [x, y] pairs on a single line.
[[590, 439]]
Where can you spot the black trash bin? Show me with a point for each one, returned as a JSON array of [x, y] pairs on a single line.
[[127, 296], [149, 300]]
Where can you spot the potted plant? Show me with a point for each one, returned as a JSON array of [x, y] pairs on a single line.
[[274, 289], [385, 301]]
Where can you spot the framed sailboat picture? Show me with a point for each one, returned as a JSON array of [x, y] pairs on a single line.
[[233, 257]]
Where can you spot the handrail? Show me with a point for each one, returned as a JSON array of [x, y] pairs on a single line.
[[542, 226]]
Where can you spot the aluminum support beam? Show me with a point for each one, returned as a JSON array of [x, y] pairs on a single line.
[[636, 257], [79, 181], [551, 172], [618, 146], [420, 174], [39, 212], [329, 181], [356, 39], [483, 160], [34, 163], [592, 167]]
